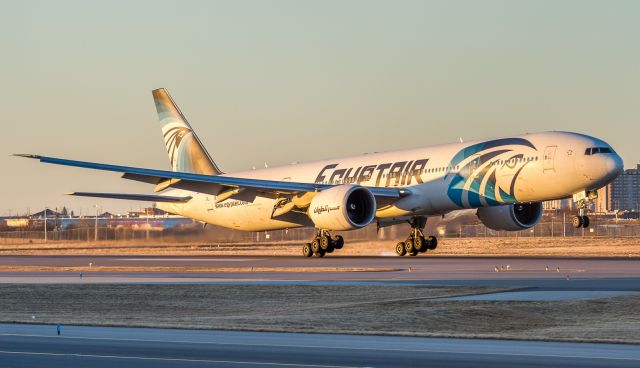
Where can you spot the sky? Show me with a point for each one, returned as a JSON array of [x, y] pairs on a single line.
[[285, 81]]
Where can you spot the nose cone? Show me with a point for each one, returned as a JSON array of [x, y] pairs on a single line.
[[614, 165], [603, 169]]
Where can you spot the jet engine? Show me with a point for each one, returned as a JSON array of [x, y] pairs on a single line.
[[512, 217], [343, 207]]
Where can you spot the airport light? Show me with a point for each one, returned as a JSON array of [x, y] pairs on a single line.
[[45, 223], [96, 227]]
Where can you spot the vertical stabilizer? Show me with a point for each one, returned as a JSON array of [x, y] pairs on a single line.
[[186, 152]]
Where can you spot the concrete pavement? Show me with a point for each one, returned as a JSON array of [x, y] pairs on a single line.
[[38, 346]]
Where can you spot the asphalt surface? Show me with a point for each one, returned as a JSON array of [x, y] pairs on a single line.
[[546, 277], [38, 346], [381, 268]]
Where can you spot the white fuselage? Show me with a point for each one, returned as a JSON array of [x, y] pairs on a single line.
[[527, 168]]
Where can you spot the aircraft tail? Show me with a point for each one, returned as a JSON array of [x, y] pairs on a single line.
[[186, 152]]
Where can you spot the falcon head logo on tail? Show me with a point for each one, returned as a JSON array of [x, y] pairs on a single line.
[[186, 152]]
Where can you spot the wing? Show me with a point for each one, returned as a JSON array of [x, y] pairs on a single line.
[[205, 183]]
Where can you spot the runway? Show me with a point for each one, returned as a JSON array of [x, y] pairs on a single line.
[[38, 346], [558, 273]]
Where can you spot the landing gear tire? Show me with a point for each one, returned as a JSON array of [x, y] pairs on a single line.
[[321, 253], [432, 243], [400, 249], [420, 244], [306, 250], [408, 245], [315, 246], [338, 242], [413, 253], [576, 222], [585, 221], [325, 242]]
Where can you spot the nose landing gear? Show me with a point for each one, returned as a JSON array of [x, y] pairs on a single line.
[[583, 200], [581, 220]]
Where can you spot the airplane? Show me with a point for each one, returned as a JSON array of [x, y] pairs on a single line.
[[503, 179]]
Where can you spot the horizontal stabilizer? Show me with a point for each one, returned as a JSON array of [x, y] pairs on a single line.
[[133, 197]]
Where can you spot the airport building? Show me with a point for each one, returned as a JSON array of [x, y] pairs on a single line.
[[623, 194]]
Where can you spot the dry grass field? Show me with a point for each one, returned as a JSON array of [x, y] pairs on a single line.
[[387, 310], [557, 247]]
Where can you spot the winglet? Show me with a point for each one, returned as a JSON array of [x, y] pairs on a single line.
[[27, 155]]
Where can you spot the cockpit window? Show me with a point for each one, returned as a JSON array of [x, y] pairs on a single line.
[[596, 150]]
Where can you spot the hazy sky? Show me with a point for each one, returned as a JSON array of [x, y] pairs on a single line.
[[283, 81]]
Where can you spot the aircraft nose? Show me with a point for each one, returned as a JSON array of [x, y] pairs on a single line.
[[614, 165]]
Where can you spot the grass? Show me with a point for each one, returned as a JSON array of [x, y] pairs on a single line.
[[387, 310]]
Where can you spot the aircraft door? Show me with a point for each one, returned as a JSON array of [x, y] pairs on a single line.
[[549, 157], [210, 203]]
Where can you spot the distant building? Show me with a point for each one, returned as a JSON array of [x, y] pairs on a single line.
[[49, 214], [154, 211], [603, 202], [623, 194], [149, 211]]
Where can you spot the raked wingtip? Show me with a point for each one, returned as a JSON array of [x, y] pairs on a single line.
[[27, 155]]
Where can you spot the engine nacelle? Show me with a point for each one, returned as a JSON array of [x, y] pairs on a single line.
[[512, 217], [343, 207]]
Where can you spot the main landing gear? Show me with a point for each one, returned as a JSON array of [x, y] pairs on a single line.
[[416, 242], [581, 220], [322, 244]]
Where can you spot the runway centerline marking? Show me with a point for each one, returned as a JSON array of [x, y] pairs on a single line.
[[124, 357], [444, 351]]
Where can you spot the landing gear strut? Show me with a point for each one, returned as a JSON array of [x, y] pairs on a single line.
[[416, 242], [322, 244]]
